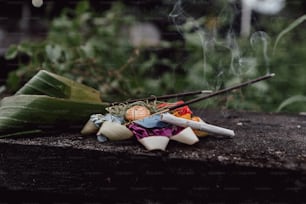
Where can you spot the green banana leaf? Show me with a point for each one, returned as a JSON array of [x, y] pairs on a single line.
[[46, 83], [29, 112], [48, 102]]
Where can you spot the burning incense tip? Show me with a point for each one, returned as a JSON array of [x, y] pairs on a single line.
[[206, 91]]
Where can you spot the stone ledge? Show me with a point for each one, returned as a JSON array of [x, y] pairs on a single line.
[[267, 158]]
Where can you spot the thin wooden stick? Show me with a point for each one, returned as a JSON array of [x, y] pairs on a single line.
[[164, 97], [221, 92]]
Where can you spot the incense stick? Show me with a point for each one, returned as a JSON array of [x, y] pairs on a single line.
[[164, 97], [221, 92]]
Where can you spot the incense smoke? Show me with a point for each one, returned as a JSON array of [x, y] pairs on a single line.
[[216, 42], [260, 40], [183, 21]]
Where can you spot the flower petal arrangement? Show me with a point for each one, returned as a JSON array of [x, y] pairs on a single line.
[[151, 125]]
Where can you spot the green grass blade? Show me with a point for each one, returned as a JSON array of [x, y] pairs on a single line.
[[291, 100], [288, 29]]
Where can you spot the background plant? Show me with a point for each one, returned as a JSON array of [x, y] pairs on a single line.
[[90, 48], [95, 49], [218, 57]]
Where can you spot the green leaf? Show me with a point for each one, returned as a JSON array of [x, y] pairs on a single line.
[[25, 48], [47, 83], [84, 17], [13, 81], [61, 23], [82, 7], [54, 53], [88, 49], [11, 52], [48, 101], [29, 112]]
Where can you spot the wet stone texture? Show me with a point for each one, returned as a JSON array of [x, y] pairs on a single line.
[[265, 162]]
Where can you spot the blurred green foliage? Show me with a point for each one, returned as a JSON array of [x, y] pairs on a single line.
[[218, 58], [90, 48], [95, 49], [288, 62]]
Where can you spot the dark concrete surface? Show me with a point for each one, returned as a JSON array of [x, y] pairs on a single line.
[[264, 163]]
